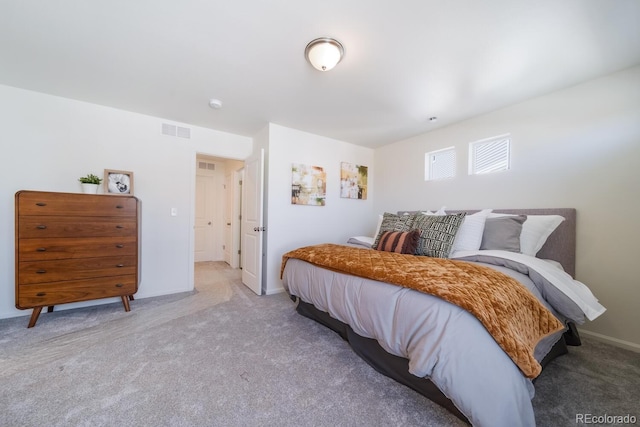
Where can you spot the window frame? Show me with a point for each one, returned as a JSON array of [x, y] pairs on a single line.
[[499, 165], [428, 168]]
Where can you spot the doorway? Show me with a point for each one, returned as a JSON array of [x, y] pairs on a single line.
[[217, 224]]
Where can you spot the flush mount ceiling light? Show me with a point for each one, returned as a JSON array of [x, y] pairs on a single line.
[[324, 53]]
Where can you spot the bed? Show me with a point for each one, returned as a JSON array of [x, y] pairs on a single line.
[[432, 345]]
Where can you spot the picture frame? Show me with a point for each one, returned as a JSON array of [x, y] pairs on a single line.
[[118, 182], [308, 185], [353, 181]]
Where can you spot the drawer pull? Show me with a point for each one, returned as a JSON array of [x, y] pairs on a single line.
[[41, 271], [41, 294], [119, 226], [119, 285], [119, 246], [119, 207], [41, 249], [41, 204], [120, 265], [41, 227]]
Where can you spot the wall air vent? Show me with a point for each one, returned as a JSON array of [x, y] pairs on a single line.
[[173, 130], [207, 166], [184, 132], [168, 129]]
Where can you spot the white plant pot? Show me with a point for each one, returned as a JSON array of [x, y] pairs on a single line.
[[89, 188]]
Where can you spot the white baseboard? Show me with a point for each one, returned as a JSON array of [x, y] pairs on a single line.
[[275, 291], [613, 341]]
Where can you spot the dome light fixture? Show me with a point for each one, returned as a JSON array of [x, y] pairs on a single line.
[[324, 53]]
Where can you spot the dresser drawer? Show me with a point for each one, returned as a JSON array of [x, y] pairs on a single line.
[[57, 226], [86, 247], [75, 290], [74, 269], [46, 203]]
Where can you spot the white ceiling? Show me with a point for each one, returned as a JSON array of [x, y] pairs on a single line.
[[405, 60]]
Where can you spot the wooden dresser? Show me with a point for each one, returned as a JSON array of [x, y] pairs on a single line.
[[75, 247]]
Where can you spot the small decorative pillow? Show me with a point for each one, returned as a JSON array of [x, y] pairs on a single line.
[[437, 233], [503, 233], [402, 242], [393, 222]]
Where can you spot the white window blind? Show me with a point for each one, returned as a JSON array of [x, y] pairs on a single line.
[[489, 155], [440, 164]]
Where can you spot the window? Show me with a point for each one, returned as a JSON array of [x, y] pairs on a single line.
[[440, 164], [489, 155]]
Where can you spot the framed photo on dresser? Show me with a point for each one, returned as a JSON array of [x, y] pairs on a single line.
[[118, 182]]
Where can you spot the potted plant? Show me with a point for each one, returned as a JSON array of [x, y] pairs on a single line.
[[90, 183]]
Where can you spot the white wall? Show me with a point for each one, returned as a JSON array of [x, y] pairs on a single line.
[[578, 147], [290, 226], [49, 142]]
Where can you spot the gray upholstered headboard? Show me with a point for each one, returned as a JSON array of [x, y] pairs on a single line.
[[560, 246]]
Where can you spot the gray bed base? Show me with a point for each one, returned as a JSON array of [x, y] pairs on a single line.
[[397, 368]]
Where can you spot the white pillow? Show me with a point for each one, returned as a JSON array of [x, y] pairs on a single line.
[[380, 217], [469, 236], [535, 231], [440, 211], [366, 241]]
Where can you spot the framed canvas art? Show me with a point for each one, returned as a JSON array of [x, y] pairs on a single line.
[[308, 185], [353, 181]]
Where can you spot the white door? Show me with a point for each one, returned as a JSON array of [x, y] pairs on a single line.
[[204, 231], [252, 225], [228, 217], [236, 224]]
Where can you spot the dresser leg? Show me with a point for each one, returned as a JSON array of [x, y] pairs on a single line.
[[34, 317], [125, 302]]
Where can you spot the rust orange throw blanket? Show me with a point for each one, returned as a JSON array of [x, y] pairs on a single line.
[[512, 315]]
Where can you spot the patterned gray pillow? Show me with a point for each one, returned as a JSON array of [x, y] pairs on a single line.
[[393, 222], [437, 233]]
